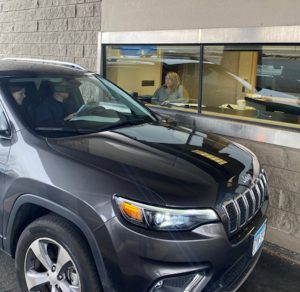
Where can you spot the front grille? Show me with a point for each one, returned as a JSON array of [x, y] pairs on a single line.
[[179, 282], [232, 212], [242, 204], [257, 196], [243, 207], [251, 207]]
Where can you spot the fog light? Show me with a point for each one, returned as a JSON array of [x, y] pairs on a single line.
[[185, 283]]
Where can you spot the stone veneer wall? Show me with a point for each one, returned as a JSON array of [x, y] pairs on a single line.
[[65, 30], [282, 165]]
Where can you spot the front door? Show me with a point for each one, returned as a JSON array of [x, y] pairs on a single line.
[[5, 143]]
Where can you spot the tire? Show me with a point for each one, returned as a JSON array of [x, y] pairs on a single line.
[[51, 251]]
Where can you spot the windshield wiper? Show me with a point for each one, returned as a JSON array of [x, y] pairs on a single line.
[[63, 130], [130, 122]]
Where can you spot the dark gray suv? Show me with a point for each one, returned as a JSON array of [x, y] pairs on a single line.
[[100, 194]]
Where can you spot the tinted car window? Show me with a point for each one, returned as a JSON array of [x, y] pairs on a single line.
[[74, 104]]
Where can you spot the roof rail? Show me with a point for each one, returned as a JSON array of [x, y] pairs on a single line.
[[66, 64]]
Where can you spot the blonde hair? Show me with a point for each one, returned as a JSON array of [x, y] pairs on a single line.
[[175, 78]]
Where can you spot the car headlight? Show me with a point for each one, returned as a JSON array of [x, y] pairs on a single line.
[[164, 219]]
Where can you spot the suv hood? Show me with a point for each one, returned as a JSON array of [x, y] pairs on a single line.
[[177, 164]]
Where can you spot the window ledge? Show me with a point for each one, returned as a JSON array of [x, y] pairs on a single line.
[[286, 137]]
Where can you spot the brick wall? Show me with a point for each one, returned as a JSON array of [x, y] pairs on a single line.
[[282, 165], [65, 30]]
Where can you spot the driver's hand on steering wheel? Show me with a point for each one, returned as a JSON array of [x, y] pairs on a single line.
[[165, 103], [70, 116]]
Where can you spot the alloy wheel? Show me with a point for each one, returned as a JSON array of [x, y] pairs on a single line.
[[49, 267]]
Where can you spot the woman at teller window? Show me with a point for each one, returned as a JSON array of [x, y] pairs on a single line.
[[171, 91]]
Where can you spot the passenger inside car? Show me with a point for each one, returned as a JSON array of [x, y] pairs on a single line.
[[18, 93], [54, 108], [23, 94]]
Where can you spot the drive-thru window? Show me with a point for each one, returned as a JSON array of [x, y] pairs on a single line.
[[256, 83]]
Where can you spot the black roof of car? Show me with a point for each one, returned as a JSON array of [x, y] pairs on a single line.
[[12, 68]]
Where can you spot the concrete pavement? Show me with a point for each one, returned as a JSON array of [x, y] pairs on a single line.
[[273, 274]]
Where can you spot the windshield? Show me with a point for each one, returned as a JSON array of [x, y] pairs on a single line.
[[74, 104]]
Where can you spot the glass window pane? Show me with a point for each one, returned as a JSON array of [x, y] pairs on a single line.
[[66, 105], [253, 83], [160, 75]]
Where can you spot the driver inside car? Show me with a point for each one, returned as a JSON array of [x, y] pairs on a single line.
[[54, 109]]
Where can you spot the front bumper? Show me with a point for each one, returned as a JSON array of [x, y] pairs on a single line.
[[138, 260]]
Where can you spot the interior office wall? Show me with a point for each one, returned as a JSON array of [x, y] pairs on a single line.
[[130, 77], [65, 30], [190, 80], [131, 15], [242, 64]]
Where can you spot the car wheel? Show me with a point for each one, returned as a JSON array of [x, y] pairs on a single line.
[[52, 256]]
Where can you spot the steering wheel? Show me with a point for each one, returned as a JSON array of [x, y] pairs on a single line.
[[91, 111], [99, 111]]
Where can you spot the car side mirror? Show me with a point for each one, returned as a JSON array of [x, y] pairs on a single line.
[[4, 126]]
